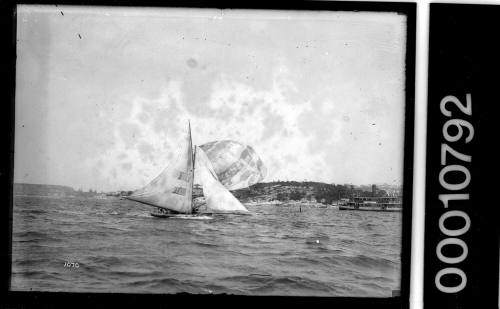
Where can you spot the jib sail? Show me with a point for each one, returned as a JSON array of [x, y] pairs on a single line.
[[217, 197]]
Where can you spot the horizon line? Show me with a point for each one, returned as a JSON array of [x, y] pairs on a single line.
[[271, 181]]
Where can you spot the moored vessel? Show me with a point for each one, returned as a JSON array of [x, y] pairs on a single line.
[[384, 203]]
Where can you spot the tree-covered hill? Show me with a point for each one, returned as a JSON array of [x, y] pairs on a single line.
[[294, 190]]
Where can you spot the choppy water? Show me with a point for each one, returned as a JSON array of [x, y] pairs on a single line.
[[276, 251]]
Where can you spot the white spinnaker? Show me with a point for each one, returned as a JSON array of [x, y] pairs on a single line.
[[173, 188], [217, 197]]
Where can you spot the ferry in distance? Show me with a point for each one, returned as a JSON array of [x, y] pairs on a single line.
[[384, 203]]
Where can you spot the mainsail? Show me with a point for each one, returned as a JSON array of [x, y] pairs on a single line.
[[173, 188], [217, 197]]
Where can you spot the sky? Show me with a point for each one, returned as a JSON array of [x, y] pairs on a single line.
[[103, 95]]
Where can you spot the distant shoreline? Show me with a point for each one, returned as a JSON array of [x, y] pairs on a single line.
[[265, 192]]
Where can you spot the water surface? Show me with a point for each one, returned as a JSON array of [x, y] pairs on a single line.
[[277, 250]]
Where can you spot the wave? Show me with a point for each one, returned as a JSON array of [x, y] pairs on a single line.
[[369, 262], [71, 212], [373, 286], [114, 228], [300, 224], [269, 284], [133, 273], [28, 262], [167, 285], [34, 236], [34, 211], [373, 279], [204, 244], [317, 240], [307, 260], [288, 236], [368, 226], [38, 274], [105, 260]]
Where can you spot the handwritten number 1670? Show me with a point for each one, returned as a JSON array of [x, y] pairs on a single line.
[[71, 264]]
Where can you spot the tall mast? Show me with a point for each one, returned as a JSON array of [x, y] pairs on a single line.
[[192, 182], [193, 151]]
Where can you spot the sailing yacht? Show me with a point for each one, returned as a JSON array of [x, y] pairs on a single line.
[[171, 192]]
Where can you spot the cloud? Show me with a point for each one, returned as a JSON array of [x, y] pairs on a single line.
[[109, 110], [126, 166], [273, 124]]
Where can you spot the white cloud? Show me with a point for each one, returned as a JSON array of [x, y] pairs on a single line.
[[107, 109]]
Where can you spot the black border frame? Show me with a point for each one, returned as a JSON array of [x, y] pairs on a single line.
[[63, 299]]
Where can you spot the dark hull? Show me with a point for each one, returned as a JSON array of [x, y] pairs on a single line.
[[184, 216], [180, 216], [158, 215], [370, 209], [235, 213]]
